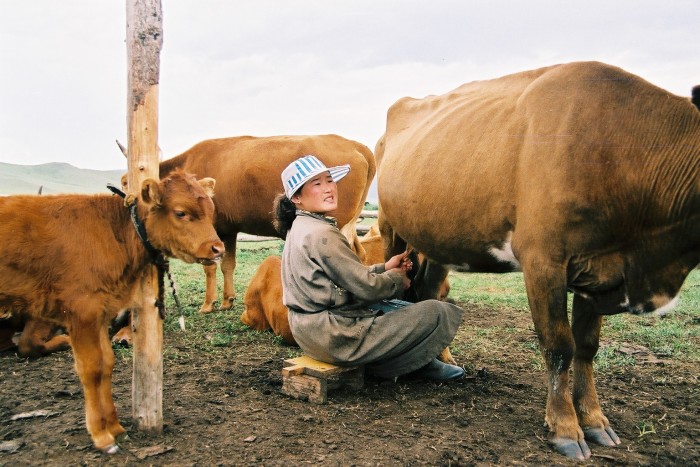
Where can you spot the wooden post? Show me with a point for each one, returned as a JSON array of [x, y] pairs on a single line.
[[144, 39]]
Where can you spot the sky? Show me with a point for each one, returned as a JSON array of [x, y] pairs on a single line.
[[264, 67]]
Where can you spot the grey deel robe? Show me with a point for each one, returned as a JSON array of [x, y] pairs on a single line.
[[327, 290]]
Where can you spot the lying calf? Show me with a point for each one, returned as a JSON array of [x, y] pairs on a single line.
[[37, 337]]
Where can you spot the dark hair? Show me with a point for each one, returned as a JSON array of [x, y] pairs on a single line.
[[283, 212]]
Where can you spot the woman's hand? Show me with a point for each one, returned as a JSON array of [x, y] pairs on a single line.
[[399, 261]]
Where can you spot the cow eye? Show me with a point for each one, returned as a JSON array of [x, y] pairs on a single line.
[[180, 214]]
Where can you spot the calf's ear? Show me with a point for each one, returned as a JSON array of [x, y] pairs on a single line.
[[150, 192], [208, 184]]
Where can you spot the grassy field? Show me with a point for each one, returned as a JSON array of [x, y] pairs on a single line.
[[675, 336]]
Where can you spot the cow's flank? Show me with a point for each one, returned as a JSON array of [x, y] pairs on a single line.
[[76, 260], [589, 175]]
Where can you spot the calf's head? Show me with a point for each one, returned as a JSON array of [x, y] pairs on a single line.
[[179, 217]]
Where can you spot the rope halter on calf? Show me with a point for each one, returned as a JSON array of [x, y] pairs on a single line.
[[156, 256]]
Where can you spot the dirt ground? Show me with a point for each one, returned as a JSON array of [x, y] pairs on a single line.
[[226, 408]]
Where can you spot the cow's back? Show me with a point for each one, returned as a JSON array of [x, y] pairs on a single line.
[[53, 247], [558, 146], [247, 170]]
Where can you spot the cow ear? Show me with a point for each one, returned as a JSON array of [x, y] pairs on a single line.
[[208, 185], [150, 192]]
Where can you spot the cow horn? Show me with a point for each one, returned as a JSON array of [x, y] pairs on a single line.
[[123, 149]]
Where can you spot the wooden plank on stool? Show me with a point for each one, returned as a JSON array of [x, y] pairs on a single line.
[[309, 366]]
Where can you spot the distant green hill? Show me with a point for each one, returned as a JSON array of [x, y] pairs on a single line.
[[55, 177], [60, 177]]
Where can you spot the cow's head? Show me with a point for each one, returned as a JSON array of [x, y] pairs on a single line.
[[656, 290], [649, 281], [179, 217]]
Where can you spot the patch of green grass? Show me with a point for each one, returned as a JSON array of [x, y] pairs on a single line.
[[608, 357], [494, 290], [676, 335], [124, 354], [646, 428]]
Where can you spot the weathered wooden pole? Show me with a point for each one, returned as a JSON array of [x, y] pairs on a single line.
[[144, 39]]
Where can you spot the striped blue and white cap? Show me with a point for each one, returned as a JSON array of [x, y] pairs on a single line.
[[304, 169]]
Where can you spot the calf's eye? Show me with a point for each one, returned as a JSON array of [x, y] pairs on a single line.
[[180, 214]]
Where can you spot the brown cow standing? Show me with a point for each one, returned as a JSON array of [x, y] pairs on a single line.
[[77, 260], [583, 175], [248, 172]]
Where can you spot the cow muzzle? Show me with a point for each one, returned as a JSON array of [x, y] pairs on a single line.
[[208, 261], [213, 253], [659, 305]]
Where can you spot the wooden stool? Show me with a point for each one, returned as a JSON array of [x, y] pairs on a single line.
[[308, 379]]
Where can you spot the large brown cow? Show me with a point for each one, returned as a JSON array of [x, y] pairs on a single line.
[[248, 170], [582, 175], [77, 260]]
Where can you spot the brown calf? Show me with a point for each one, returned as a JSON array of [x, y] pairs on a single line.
[[76, 260]]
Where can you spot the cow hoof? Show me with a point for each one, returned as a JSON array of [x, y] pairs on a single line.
[[206, 309], [111, 449], [227, 304], [571, 448], [122, 342], [603, 436]]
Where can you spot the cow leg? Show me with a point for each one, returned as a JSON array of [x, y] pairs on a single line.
[[546, 291], [430, 279], [123, 337], [122, 323], [38, 339], [108, 409], [210, 294], [228, 265], [446, 356], [94, 361], [586, 327]]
